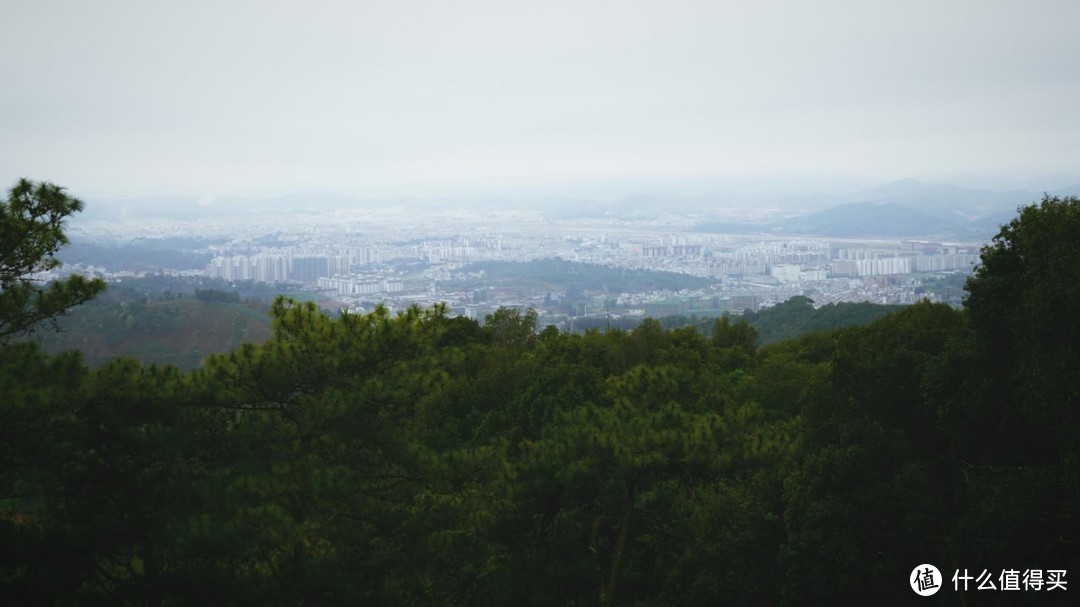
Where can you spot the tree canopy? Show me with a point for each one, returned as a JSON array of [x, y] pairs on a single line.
[[31, 232]]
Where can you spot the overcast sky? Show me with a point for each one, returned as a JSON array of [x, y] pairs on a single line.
[[455, 97]]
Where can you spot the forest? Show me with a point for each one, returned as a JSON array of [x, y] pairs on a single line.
[[418, 458], [172, 321]]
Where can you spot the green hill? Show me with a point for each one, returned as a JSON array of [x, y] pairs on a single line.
[[790, 319], [179, 332], [797, 316]]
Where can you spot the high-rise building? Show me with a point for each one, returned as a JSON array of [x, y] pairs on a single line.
[[308, 270]]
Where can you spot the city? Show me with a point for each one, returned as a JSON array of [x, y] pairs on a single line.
[[356, 259]]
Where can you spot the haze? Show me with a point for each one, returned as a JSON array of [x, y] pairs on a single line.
[[517, 98]]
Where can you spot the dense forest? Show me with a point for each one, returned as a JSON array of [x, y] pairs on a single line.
[[792, 318], [419, 458]]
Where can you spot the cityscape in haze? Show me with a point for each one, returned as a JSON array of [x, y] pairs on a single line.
[[895, 244], [384, 154], [476, 261]]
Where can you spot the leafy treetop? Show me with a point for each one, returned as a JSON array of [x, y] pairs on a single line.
[[31, 232]]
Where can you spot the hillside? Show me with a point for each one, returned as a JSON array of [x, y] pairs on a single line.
[[904, 208], [793, 318], [869, 219], [858, 219], [797, 316], [179, 332], [942, 199]]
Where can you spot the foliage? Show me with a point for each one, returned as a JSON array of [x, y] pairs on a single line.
[[168, 329], [797, 316], [31, 233], [1020, 426], [1023, 301], [215, 295]]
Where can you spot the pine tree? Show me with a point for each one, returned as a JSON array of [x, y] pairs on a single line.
[[31, 232]]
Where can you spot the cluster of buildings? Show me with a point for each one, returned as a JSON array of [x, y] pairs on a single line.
[[746, 272], [401, 257], [912, 257], [360, 285], [298, 267], [811, 260]]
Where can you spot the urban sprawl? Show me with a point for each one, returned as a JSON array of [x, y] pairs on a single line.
[[396, 258]]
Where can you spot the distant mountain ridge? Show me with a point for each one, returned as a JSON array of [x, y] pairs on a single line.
[[864, 220], [966, 209], [934, 199], [870, 219], [901, 208]]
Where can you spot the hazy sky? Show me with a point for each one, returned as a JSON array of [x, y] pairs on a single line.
[[458, 97]]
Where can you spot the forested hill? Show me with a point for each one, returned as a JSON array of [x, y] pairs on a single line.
[[792, 318], [181, 331], [797, 316], [422, 459]]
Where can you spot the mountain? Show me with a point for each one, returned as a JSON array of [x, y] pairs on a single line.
[[946, 200], [940, 200], [906, 207], [869, 219], [1073, 190], [860, 220]]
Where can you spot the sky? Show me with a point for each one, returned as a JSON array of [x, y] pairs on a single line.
[[459, 97]]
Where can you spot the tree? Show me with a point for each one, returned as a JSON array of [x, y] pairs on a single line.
[[31, 232], [510, 328], [36, 413], [322, 464], [727, 334], [1022, 302], [874, 458], [1018, 428]]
